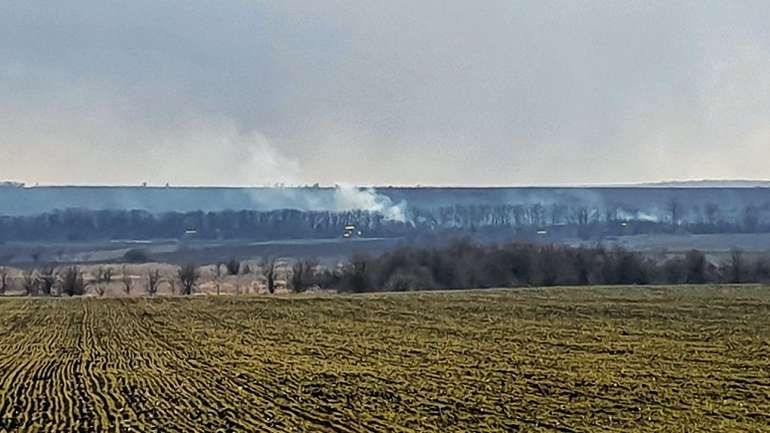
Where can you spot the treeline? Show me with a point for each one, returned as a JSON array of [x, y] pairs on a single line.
[[467, 265], [72, 280], [462, 265], [56, 281], [88, 225], [596, 221], [501, 222]]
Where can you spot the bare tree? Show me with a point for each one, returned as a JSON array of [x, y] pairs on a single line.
[[3, 280], [46, 280], [296, 276], [108, 274], [696, 266], [188, 277], [218, 277], [302, 274], [99, 289], [153, 279], [29, 282], [360, 280], [103, 277], [736, 266], [233, 266], [268, 270], [72, 283], [126, 280]]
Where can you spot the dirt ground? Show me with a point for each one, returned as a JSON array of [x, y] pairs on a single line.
[[619, 359]]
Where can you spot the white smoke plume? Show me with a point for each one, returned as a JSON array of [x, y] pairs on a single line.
[[354, 198], [637, 215]]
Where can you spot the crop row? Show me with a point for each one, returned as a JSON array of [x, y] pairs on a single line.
[[651, 359]]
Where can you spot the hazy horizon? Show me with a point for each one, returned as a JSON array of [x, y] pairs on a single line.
[[497, 93], [730, 183]]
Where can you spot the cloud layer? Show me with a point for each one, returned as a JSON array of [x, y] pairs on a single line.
[[372, 92]]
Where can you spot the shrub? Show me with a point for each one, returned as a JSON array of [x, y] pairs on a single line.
[[126, 280], [72, 282], [152, 281], [188, 277], [29, 282], [303, 275], [4, 283], [46, 281], [136, 255], [736, 268], [466, 265], [233, 266], [419, 278], [696, 267]]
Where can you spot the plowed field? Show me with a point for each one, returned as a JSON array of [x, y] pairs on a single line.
[[600, 359]]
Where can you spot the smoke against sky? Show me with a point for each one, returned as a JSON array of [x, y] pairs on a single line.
[[348, 197], [375, 92]]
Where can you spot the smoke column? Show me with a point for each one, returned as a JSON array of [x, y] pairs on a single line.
[[353, 198]]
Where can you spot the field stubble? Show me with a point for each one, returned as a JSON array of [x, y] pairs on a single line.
[[595, 359]]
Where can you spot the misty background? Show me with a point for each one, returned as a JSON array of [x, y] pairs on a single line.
[[371, 92]]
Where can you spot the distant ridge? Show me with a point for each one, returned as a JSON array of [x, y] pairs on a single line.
[[695, 183], [709, 183]]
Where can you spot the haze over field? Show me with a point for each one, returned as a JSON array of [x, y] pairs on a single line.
[[372, 92], [212, 212]]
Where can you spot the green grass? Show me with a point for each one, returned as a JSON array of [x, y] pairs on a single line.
[[561, 359]]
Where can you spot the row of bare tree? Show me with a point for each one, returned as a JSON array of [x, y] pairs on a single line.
[[66, 280], [582, 217], [73, 281], [461, 265]]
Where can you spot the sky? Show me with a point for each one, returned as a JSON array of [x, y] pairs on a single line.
[[373, 92]]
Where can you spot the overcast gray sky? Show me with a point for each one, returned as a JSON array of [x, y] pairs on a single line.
[[383, 92]]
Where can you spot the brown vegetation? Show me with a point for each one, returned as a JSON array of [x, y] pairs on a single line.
[[460, 265], [188, 277], [594, 359], [3, 280], [73, 283], [152, 281], [468, 265]]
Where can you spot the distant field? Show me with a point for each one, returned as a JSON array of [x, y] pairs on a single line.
[[176, 251], [714, 244], [27, 254], [594, 359]]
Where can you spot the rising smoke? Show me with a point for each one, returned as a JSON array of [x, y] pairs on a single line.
[[341, 198], [354, 198]]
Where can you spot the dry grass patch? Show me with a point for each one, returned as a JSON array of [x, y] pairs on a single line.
[[591, 359]]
